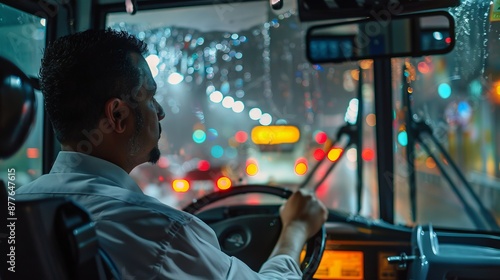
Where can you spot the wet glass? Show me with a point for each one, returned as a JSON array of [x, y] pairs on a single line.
[[220, 76]]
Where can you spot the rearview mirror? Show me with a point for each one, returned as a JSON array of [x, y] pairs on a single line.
[[409, 35]]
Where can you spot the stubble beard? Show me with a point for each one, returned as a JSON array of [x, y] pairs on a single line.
[[154, 154]]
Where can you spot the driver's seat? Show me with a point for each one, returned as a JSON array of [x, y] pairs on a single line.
[[44, 238]]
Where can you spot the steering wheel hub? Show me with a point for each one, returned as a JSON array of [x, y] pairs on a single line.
[[251, 238]]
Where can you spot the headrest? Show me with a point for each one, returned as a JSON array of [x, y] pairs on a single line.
[[17, 108]]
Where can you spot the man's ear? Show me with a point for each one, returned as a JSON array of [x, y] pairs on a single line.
[[116, 112]]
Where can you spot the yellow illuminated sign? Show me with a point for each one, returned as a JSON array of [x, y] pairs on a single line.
[[340, 265], [275, 134]]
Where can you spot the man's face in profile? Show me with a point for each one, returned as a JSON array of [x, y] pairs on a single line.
[[147, 113]]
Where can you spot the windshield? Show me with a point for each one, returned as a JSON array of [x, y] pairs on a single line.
[[228, 74]]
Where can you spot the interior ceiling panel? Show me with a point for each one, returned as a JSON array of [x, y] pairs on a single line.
[[241, 17]]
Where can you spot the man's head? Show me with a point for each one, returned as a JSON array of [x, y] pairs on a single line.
[[98, 92]]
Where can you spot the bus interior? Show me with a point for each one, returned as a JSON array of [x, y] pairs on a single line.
[[385, 109]]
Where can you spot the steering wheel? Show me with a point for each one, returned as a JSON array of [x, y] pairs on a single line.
[[252, 237]]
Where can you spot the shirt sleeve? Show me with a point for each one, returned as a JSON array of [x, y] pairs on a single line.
[[198, 253], [147, 245], [281, 267]]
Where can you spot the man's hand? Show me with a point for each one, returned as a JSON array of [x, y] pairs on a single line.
[[302, 216], [303, 209]]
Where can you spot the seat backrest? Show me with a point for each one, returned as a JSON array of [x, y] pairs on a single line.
[[51, 238]]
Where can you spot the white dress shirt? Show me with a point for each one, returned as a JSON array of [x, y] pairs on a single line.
[[145, 238]]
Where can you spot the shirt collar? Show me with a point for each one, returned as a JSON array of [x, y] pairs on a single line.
[[75, 162]]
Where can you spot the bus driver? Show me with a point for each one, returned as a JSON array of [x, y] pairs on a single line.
[[99, 95]]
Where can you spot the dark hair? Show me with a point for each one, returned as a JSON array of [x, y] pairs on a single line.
[[80, 72]]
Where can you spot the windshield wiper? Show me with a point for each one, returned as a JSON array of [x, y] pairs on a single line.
[[415, 129], [355, 137]]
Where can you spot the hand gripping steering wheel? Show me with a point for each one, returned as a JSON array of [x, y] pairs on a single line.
[[252, 237]]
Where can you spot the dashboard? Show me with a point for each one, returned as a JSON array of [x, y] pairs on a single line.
[[360, 248], [356, 248], [359, 252]]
